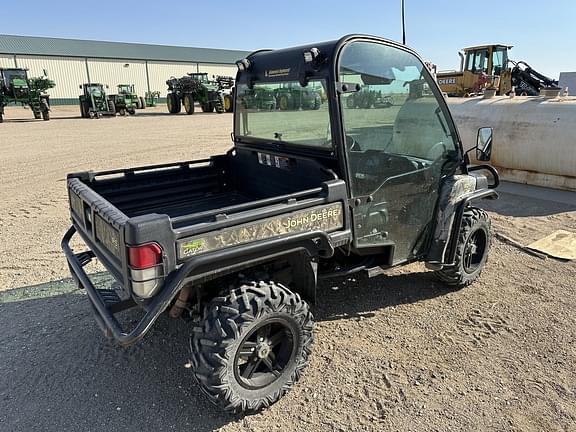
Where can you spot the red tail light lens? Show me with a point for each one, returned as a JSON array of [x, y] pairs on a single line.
[[144, 256]]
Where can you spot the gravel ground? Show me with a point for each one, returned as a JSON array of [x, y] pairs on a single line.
[[396, 352]]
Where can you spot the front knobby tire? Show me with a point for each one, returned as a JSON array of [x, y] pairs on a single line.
[[252, 345], [472, 250]]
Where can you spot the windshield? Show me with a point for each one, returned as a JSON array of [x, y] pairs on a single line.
[[395, 111], [12, 74], [284, 112], [202, 77]]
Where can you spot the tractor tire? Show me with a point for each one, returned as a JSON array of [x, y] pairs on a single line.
[[366, 104], [112, 107], [252, 345], [188, 104], [317, 103], [137, 103], [219, 105], [207, 107], [122, 111], [45, 110], [474, 242], [174, 103], [1, 117], [284, 103], [83, 108], [132, 111], [228, 103], [142, 102], [37, 115]]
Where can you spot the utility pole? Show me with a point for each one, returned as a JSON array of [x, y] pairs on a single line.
[[403, 24]]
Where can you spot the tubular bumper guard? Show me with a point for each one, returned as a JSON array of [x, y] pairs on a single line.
[[314, 243]]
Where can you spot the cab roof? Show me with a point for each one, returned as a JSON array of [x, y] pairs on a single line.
[[487, 46], [289, 64]]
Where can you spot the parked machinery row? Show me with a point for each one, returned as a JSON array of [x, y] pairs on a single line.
[[95, 103]]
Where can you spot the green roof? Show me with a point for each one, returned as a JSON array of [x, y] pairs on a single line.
[[29, 45]]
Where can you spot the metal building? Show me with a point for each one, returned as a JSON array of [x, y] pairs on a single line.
[[71, 62]]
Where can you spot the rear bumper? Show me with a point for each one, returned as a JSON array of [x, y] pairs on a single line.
[[314, 243], [103, 311]]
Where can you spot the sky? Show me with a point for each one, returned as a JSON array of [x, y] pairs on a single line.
[[543, 34]]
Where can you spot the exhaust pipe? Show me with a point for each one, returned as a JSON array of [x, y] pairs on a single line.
[[180, 303]]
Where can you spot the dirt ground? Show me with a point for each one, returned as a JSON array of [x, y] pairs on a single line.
[[396, 352]]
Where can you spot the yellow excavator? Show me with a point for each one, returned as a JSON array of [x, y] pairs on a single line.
[[488, 67]]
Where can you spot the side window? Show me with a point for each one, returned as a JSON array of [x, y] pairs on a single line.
[[481, 61], [394, 124], [499, 61], [470, 61]]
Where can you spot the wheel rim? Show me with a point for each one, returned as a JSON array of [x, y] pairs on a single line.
[[187, 104], [283, 103], [264, 353], [474, 251], [227, 104]]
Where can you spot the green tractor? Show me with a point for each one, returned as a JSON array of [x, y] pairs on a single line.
[[127, 101], [291, 97], [16, 88], [194, 87], [367, 98], [94, 102], [263, 98], [151, 98]]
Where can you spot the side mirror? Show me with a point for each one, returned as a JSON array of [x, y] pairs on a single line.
[[80, 86], [107, 86], [484, 144]]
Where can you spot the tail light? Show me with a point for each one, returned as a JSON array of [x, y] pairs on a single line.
[[146, 269]]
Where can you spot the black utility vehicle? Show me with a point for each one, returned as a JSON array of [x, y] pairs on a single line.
[[236, 243]]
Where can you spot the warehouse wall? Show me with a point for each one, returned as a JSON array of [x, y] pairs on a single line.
[[218, 69], [114, 72], [6, 61], [69, 72], [66, 72]]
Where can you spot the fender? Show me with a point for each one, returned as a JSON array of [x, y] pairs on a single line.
[[457, 192]]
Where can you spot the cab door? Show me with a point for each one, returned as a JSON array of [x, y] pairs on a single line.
[[399, 143]]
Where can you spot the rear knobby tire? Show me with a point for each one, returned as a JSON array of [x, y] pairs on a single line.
[[252, 345], [472, 249]]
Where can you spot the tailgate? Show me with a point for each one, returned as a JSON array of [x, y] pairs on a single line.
[[100, 225]]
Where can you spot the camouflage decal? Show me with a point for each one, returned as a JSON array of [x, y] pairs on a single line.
[[325, 218], [452, 192], [76, 205], [107, 235]]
